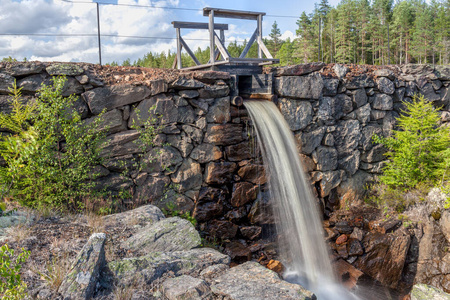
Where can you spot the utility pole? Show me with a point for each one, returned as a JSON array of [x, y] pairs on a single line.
[[98, 33], [320, 39], [389, 48]]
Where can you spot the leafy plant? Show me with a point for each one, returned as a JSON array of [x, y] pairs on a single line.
[[171, 211], [51, 153], [417, 150], [11, 284]]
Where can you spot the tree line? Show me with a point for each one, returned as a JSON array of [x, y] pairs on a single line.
[[374, 32]]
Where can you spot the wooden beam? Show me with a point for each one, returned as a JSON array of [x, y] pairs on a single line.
[[221, 47], [188, 50], [206, 65], [259, 28], [179, 64], [264, 48], [250, 43], [212, 57], [252, 60], [233, 14], [198, 25]]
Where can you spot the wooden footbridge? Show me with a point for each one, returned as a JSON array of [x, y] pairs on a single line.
[[220, 59]]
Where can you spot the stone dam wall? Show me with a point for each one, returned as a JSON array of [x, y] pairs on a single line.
[[212, 165]]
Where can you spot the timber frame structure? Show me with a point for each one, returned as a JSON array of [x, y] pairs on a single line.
[[220, 58]]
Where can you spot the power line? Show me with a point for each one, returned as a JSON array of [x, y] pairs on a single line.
[[105, 35], [163, 7]]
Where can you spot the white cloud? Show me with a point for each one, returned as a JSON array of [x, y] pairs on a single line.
[[288, 34], [58, 17]]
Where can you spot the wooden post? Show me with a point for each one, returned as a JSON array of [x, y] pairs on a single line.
[[212, 59], [179, 64], [259, 34], [98, 33]]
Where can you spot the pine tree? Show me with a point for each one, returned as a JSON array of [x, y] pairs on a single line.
[[275, 39]]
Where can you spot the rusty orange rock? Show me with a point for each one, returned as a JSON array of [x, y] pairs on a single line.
[[341, 239], [275, 266]]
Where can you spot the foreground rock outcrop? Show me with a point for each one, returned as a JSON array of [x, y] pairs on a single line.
[[138, 254]]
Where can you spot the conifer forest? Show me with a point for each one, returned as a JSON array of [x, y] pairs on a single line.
[[374, 32]]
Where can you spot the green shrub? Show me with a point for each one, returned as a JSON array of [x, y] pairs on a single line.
[[418, 149], [51, 153], [11, 284]]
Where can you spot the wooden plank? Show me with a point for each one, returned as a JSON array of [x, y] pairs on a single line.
[[198, 25], [253, 60], [233, 14], [250, 43], [222, 49], [264, 48], [179, 64], [206, 66], [212, 57], [259, 28], [188, 50]]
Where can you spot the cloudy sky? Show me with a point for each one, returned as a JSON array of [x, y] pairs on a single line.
[[144, 25]]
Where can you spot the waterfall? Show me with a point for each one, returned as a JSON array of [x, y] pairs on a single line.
[[303, 251]]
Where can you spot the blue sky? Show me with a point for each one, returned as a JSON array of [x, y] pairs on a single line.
[[59, 17]]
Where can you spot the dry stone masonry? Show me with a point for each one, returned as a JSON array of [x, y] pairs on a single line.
[[208, 163]]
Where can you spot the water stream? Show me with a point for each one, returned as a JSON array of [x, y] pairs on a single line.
[[303, 251]]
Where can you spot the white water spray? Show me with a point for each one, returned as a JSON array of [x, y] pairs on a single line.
[[304, 252]]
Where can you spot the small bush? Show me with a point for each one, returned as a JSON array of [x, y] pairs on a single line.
[[417, 150], [419, 157], [51, 153], [11, 284]]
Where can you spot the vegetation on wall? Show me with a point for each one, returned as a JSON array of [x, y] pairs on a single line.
[[418, 153], [50, 152]]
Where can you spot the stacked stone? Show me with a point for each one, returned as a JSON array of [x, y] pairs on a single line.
[[334, 118], [203, 156], [206, 162]]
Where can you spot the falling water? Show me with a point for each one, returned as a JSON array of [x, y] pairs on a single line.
[[304, 252]]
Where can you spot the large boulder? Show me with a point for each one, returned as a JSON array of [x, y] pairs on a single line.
[[302, 87], [428, 292], [325, 158], [185, 287], [308, 141], [219, 173], [146, 269], [24, 68], [223, 134], [64, 69], [334, 108], [122, 143], [251, 281], [385, 256], [144, 215], [253, 173], [188, 176], [160, 108], [298, 114], [297, 70], [219, 112], [83, 275], [385, 85], [347, 136], [114, 96], [110, 122], [204, 153], [167, 235]]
